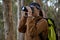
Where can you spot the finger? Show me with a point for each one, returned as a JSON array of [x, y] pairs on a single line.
[[22, 13], [29, 10]]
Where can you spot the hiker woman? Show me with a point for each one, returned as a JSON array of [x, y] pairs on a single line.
[[33, 24]]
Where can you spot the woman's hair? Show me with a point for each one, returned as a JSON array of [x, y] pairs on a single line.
[[38, 7], [41, 13]]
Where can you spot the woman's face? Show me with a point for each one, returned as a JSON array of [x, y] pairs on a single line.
[[36, 12]]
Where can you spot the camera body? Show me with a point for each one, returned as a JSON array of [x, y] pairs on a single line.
[[26, 10]]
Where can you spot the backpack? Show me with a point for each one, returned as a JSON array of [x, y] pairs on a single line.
[[51, 30]]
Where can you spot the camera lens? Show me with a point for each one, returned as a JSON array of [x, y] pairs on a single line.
[[24, 9]]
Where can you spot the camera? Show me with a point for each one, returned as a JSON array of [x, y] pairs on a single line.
[[32, 5], [25, 9]]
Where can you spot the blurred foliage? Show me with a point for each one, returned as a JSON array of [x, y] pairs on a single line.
[[14, 12], [1, 24], [1, 11], [27, 2]]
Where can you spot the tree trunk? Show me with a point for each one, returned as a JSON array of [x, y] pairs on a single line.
[[8, 20], [22, 2], [20, 36]]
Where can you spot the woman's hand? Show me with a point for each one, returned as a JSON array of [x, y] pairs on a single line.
[[29, 11]]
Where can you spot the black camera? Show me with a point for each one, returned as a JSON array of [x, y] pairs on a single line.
[[25, 9], [32, 5]]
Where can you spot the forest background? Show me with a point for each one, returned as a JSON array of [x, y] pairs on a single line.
[[10, 12]]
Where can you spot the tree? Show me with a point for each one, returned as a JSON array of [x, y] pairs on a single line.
[[18, 7], [8, 20], [20, 36], [1, 23]]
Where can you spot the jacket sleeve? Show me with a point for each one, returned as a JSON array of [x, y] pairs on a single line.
[[31, 29], [43, 29], [42, 26], [22, 26]]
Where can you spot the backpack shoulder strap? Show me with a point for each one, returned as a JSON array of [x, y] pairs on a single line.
[[50, 21]]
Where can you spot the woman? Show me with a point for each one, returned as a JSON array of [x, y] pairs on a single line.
[[34, 26]]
